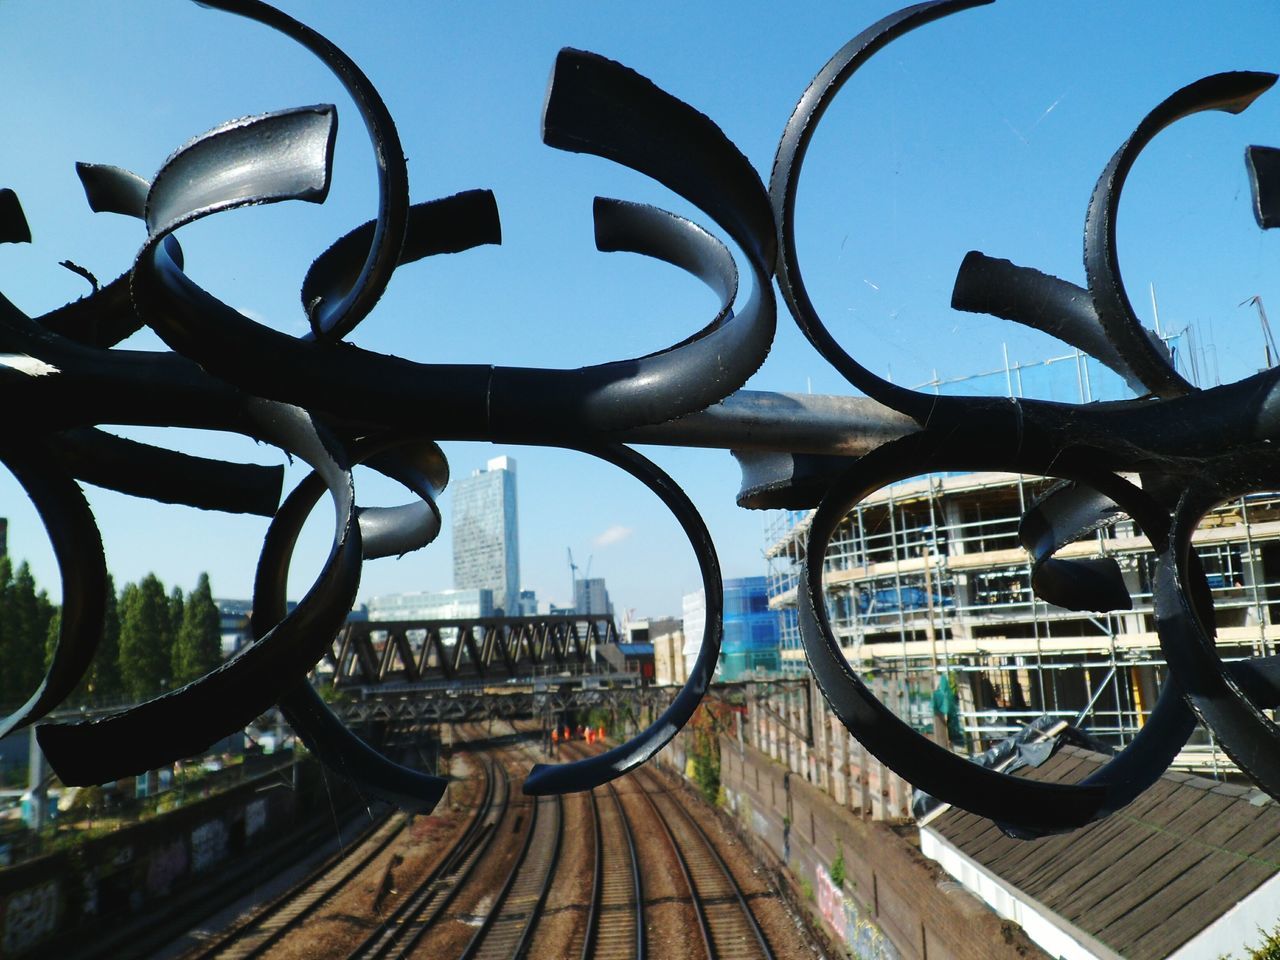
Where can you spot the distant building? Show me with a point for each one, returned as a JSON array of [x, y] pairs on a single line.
[[528, 605], [751, 641], [639, 653], [486, 549], [233, 623], [643, 631], [591, 597], [634, 658], [433, 605], [668, 655], [695, 622], [929, 574]]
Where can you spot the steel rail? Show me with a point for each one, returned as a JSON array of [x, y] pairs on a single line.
[[703, 927], [261, 932], [286, 913], [406, 920], [637, 882], [417, 928], [484, 942], [492, 915], [739, 898], [526, 935], [590, 941], [597, 883]]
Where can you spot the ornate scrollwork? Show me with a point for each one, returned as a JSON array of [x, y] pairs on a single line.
[[335, 405]]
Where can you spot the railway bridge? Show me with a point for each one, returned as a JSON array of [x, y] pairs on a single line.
[[491, 649]]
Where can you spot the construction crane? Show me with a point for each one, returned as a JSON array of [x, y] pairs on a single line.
[[1268, 341], [573, 575]]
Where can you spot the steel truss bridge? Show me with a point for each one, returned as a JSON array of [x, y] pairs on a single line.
[[409, 707], [372, 652]]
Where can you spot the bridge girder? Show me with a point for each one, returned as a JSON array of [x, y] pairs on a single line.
[[371, 652]]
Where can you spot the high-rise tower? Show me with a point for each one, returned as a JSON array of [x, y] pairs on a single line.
[[486, 549]]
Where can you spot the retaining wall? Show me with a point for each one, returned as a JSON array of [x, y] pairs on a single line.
[[894, 903], [75, 896]]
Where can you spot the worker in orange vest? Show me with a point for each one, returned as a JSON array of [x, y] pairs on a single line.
[[600, 733], [590, 735], [555, 734]]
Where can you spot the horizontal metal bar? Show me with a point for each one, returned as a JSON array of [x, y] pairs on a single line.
[[782, 422]]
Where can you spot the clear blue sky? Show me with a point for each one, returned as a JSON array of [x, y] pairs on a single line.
[[983, 131]]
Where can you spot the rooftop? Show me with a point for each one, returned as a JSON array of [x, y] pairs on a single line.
[[1146, 881]]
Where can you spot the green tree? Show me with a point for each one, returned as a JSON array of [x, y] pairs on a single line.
[[199, 646], [176, 606], [104, 675], [51, 638], [9, 692], [702, 739], [144, 649], [26, 623], [101, 682]]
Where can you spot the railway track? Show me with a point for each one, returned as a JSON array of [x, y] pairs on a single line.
[[615, 923], [428, 921], [728, 928], [403, 929], [615, 918], [285, 914], [508, 929]]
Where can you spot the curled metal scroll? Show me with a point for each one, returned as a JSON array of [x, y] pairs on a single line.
[[336, 405], [1183, 441]]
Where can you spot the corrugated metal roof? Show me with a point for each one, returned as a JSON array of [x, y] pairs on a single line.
[[636, 649], [1147, 879]]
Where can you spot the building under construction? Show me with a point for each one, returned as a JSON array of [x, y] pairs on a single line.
[[927, 577]]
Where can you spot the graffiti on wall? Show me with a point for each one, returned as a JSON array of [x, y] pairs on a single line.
[[255, 816], [850, 921], [208, 845], [29, 916], [166, 865]]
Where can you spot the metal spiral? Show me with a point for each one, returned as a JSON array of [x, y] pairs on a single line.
[[334, 405]]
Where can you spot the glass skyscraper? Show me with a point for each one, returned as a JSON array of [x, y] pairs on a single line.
[[486, 549]]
